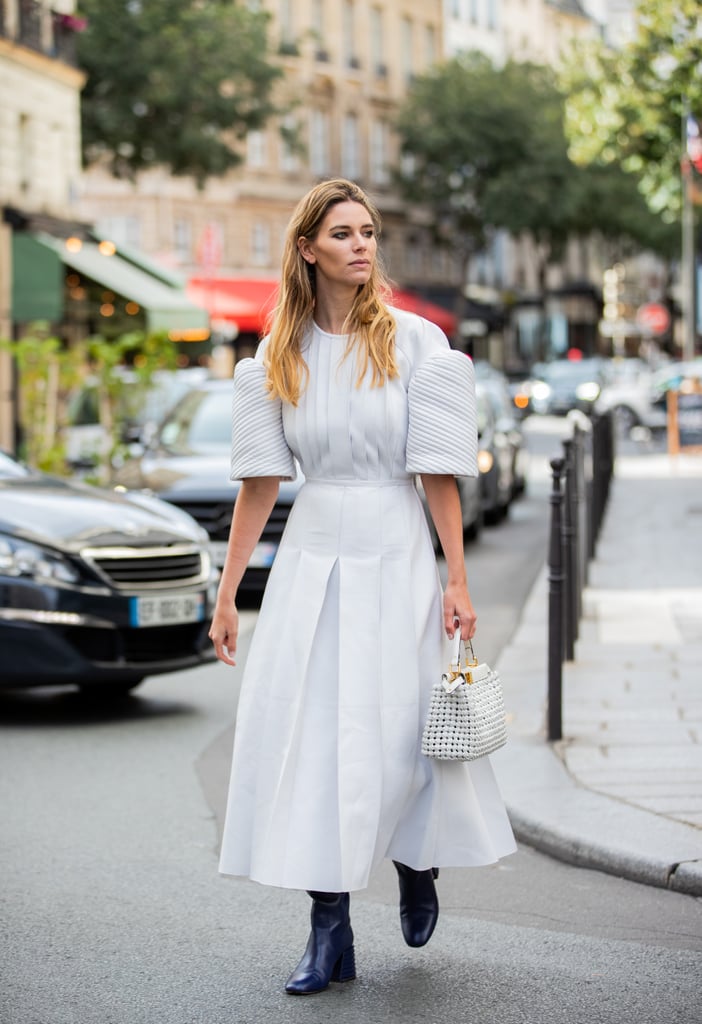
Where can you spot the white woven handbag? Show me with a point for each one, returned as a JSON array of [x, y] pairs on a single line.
[[466, 717]]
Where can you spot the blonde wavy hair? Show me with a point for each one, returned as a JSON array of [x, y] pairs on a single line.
[[369, 324]]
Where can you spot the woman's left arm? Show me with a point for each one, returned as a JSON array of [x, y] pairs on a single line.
[[445, 507]]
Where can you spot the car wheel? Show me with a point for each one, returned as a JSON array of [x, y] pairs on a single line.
[[493, 515], [625, 419], [112, 690]]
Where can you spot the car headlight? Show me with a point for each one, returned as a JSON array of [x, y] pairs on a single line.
[[485, 460], [21, 558], [587, 391], [540, 390]]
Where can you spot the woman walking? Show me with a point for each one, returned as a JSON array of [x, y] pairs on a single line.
[[327, 776]]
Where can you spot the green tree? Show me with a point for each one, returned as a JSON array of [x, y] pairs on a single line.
[[461, 127], [173, 82], [47, 371], [51, 373], [625, 107], [489, 150]]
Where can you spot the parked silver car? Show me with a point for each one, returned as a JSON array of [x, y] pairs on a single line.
[[186, 463], [637, 395]]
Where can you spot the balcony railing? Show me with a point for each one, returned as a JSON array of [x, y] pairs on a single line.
[[32, 25]]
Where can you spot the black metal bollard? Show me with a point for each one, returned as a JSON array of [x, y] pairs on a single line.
[[603, 468], [569, 564], [583, 438], [599, 474], [555, 607]]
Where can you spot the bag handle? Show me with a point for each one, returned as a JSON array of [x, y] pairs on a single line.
[[456, 649]]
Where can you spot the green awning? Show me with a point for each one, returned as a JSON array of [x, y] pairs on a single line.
[[165, 308], [153, 269], [37, 281]]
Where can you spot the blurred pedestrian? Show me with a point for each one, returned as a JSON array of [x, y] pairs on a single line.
[[327, 775]]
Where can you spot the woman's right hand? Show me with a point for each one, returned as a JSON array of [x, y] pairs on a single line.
[[224, 631]]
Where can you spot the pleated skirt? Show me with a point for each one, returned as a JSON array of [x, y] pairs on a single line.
[[327, 776]]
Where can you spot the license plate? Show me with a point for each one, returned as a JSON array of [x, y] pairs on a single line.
[[262, 557], [167, 610]]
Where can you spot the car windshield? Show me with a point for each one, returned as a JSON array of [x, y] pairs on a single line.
[[201, 422], [139, 402], [9, 468], [569, 370]]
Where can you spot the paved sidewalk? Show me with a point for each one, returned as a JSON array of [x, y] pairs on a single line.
[[622, 792]]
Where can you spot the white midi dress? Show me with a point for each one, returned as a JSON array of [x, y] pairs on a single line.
[[327, 773]]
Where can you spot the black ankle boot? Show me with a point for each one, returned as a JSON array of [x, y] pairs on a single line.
[[329, 954], [419, 904]]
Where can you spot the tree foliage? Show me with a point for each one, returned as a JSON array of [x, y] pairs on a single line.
[[462, 126], [488, 150], [50, 373], [173, 82], [626, 106]]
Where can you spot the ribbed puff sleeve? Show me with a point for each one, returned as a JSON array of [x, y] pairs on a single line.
[[443, 432], [259, 447]]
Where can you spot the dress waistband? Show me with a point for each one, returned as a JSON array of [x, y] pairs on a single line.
[[355, 482]]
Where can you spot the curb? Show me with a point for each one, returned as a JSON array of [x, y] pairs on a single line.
[[683, 877], [553, 813]]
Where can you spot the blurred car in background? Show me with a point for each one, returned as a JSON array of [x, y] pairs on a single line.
[[566, 384], [142, 409], [470, 494], [186, 463], [637, 395], [495, 459], [97, 589], [495, 385]]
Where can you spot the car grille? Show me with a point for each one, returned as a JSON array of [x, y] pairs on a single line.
[[138, 646], [132, 568], [216, 517]]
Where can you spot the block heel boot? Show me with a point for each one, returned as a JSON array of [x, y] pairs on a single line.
[[419, 904], [329, 955]]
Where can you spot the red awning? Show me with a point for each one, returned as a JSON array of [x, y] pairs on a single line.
[[247, 302], [413, 303]]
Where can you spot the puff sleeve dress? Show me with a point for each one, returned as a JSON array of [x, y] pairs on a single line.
[[328, 777]]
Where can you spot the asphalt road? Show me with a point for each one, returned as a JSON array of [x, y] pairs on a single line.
[[113, 913]]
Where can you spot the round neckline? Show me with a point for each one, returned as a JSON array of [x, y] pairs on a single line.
[[328, 334]]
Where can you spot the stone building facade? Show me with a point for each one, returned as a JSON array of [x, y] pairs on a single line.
[[39, 138]]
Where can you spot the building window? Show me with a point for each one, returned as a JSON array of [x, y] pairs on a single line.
[[289, 159], [260, 244], [319, 142], [474, 13], [287, 27], [492, 14], [183, 240], [319, 30], [379, 173], [24, 151], [408, 165], [406, 44], [256, 149], [430, 45], [121, 230], [377, 42], [349, 34], [350, 148]]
